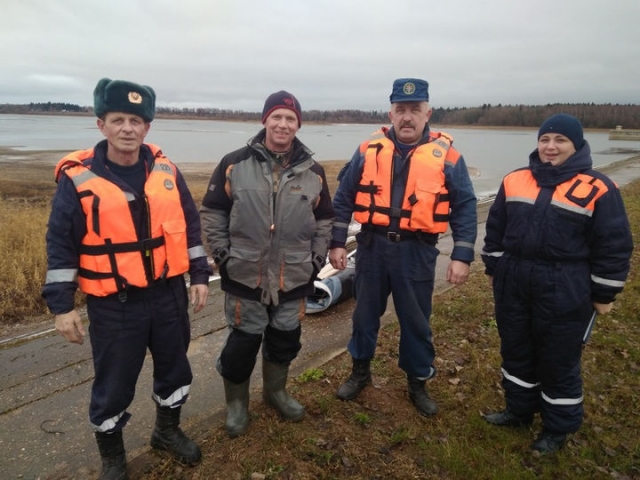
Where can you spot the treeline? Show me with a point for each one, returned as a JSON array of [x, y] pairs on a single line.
[[589, 114], [48, 107], [604, 116]]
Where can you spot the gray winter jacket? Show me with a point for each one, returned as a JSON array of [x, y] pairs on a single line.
[[269, 247]]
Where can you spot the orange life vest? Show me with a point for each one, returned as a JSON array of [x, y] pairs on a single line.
[[425, 205], [112, 256]]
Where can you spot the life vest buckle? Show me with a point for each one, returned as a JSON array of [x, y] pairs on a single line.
[[394, 236]]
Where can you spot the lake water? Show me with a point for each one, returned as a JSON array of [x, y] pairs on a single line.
[[493, 153]]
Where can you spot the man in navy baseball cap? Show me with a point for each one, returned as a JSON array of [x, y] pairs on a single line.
[[405, 185]]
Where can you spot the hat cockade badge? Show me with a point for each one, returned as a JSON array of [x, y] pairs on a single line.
[[135, 97], [409, 88]]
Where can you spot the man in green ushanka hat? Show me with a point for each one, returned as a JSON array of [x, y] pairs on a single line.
[[124, 229]]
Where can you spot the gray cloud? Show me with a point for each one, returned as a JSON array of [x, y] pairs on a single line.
[[330, 53]]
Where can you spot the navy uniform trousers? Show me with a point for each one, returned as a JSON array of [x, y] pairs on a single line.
[[406, 270], [156, 318], [542, 312]]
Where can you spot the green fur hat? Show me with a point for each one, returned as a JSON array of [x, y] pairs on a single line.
[[122, 96]]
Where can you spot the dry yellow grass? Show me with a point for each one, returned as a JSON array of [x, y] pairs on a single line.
[[23, 262]]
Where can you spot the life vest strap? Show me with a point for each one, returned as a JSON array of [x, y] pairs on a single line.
[[141, 246], [93, 275], [371, 188], [391, 212], [377, 146]]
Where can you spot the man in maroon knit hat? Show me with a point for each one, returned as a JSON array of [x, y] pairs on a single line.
[[267, 218]]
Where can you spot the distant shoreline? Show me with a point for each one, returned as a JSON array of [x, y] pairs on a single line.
[[51, 157], [436, 126]]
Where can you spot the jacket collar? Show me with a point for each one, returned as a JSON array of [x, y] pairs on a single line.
[[99, 167]]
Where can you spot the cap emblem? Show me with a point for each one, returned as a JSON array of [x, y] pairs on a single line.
[[135, 97], [409, 88]]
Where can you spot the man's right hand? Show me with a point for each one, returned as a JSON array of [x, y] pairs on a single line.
[[338, 258], [69, 325], [602, 308]]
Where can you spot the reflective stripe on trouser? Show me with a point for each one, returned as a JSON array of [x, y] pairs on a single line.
[[405, 270], [542, 310], [120, 332], [252, 323]]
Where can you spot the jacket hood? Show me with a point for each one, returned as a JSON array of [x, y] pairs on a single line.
[[549, 176]]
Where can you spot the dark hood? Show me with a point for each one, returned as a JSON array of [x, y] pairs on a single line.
[[549, 176]]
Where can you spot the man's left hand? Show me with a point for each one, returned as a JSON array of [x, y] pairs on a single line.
[[458, 272], [199, 294]]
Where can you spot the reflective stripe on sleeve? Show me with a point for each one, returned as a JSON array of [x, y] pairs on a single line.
[[341, 225], [62, 275], [197, 252], [464, 244], [607, 282]]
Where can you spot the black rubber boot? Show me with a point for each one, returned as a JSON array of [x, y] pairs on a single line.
[[420, 398], [114, 460], [168, 436], [549, 442], [237, 397], [360, 377], [506, 418], [274, 377]]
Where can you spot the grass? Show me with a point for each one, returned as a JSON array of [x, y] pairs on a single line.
[[25, 192], [380, 436], [23, 261]]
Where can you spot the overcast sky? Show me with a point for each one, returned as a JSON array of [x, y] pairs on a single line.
[[331, 54]]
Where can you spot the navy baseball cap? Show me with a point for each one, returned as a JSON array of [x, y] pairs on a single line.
[[409, 90]]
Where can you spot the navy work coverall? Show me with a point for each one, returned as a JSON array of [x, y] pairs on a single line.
[[123, 326], [406, 268], [557, 240]]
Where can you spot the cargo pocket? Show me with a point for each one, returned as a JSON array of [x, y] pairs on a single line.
[[296, 270], [420, 261], [175, 243], [426, 199], [243, 266]]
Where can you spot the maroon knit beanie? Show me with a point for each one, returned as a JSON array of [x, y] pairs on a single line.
[[282, 99]]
